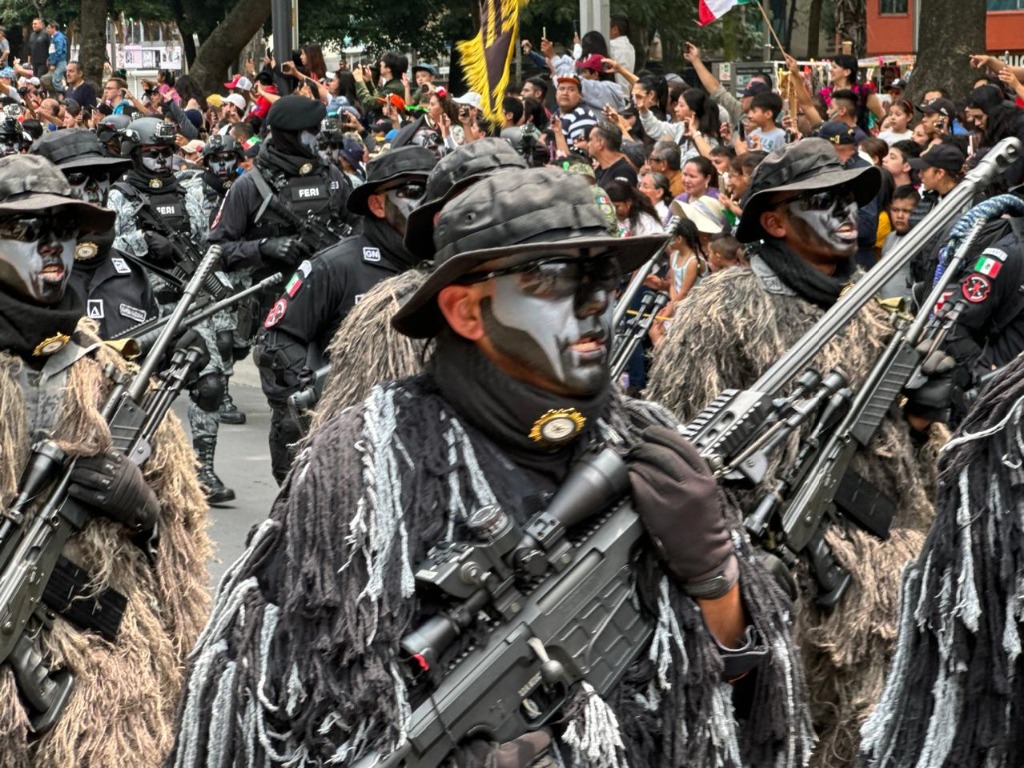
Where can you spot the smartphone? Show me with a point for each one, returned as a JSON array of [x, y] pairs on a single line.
[[270, 54], [544, 33], [576, 26]]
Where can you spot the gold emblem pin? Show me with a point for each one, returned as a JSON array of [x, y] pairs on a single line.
[[557, 426], [85, 251], [155, 183], [50, 345], [305, 168]]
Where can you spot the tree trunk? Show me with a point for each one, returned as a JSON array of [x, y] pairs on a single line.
[[942, 62], [220, 50], [814, 29], [92, 35]]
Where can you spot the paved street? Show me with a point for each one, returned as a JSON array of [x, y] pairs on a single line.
[[243, 463]]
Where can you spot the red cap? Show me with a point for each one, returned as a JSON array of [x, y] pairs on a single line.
[[594, 62]]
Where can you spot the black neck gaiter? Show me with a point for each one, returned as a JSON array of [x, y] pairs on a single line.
[[808, 282], [24, 325], [505, 410]]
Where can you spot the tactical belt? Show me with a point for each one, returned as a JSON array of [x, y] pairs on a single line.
[[66, 594]]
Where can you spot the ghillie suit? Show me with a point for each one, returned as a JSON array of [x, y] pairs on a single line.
[[725, 335], [298, 662], [122, 707], [366, 350], [955, 693]]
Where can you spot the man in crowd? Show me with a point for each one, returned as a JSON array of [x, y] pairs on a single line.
[[620, 48], [606, 150], [520, 345], [134, 585], [576, 117], [39, 48], [803, 205], [78, 89], [56, 58]]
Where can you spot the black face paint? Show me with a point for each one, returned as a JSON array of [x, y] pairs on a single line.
[[36, 254], [564, 338]]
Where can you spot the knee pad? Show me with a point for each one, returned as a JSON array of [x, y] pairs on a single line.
[[225, 344], [208, 392]]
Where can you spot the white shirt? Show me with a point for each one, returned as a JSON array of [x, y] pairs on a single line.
[[623, 52]]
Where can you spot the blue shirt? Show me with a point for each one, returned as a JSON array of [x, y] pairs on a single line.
[[58, 49]]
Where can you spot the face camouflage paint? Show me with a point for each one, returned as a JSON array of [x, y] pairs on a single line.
[[828, 218], [36, 254]]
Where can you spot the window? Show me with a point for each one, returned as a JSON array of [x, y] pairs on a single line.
[[893, 6], [1005, 5]]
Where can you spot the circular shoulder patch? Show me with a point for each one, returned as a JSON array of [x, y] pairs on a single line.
[[276, 313]]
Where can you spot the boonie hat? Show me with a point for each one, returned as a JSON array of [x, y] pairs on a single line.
[[75, 148], [452, 174], [30, 182], [410, 163], [296, 113], [513, 218], [809, 164]]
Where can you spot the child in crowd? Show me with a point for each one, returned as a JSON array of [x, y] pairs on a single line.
[[764, 108]]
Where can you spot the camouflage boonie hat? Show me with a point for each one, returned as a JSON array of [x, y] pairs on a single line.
[[29, 183]]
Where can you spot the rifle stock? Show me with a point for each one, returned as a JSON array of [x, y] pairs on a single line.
[[32, 539]]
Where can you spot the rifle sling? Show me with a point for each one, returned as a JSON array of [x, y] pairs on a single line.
[[865, 505], [66, 594]]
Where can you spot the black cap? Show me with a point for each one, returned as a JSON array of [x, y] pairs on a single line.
[[945, 156], [838, 132], [809, 164], [452, 174], [296, 113], [942, 106], [402, 164], [75, 148], [514, 218], [755, 87], [897, 85]]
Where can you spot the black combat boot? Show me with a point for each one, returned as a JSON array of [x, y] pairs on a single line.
[[229, 413], [216, 492]]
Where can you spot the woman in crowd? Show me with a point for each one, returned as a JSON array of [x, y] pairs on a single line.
[[656, 187], [312, 60], [634, 213], [842, 75], [699, 179]]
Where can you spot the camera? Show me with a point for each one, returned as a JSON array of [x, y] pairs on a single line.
[[23, 90], [464, 112]]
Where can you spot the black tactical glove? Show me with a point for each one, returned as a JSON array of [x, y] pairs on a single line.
[[684, 511], [191, 339], [114, 486], [288, 249], [159, 248], [932, 400], [518, 753]]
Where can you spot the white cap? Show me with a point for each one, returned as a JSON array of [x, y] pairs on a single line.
[[237, 100], [471, 98]]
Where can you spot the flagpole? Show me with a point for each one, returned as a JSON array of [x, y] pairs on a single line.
[[771, 29]]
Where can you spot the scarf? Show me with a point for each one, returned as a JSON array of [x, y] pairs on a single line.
[[808, 282], [383, 235], [506, 410], [140, 181], [24, 324], [284, 154]]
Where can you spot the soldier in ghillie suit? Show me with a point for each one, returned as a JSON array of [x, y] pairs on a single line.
[[126, 689], [955, 693], [732, 328], [301, 664]]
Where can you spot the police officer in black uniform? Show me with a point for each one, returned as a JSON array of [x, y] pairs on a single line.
[[289, 176], [302, 321], [115, 292]]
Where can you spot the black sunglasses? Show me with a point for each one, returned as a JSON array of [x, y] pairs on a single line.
[[29, 229], [411, 190], [823, 200], [556, 277]]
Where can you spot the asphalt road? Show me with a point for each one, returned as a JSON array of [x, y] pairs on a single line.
[[243, 464]]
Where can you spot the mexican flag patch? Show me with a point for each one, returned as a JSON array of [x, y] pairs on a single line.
[[988, 266], [293, 285]]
